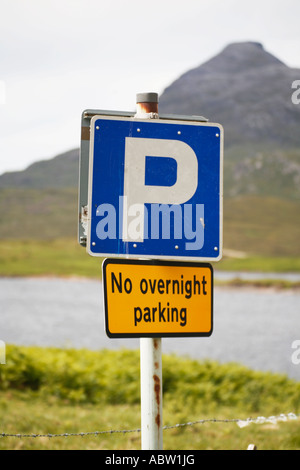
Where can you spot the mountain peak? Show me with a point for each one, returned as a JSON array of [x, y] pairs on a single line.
[[245, 88], [245, 45], [242, 56]]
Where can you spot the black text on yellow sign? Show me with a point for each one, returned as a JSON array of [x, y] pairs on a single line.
[[147, 298]]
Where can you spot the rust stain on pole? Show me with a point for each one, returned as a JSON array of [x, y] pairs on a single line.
[[157, 397], [157, 388], [147, 103], [85, 133], [148, 107]]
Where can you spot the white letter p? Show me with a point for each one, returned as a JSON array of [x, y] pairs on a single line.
[[137, 193]]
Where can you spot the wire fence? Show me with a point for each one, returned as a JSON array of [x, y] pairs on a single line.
[[240, 422]]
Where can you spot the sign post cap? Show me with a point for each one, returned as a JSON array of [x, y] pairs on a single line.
[[149, 97]]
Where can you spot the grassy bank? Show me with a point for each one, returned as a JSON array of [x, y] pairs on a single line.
[[264, 226], [57, 257], [48, 390], [65, 257]]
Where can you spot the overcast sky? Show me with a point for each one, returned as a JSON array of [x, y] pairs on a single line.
[[59, 57]]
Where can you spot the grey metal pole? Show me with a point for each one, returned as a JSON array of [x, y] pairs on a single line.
[[151, 393], [150, 348]]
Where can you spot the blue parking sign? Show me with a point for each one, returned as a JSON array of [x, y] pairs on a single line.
[[155, 189]]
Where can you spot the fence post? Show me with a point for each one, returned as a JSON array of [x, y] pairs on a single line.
[[150, 348]]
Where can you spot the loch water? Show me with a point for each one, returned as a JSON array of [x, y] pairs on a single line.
[[254, 327]]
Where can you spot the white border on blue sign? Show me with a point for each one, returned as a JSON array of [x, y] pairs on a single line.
[[91, 167]]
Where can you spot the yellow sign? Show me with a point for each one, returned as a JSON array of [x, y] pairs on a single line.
[[157, 298]]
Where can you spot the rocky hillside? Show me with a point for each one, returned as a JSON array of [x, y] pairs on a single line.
[[58, 172], [245, 89], [249, 92]]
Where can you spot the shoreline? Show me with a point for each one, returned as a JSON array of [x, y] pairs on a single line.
[[279, 284]]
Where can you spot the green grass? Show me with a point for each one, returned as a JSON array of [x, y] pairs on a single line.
[[261, 170], [65, 257], [39, 214], [39, 230], [27, 414], [265, 227], [57, 257], [265, 264], [55, 391], [259, 226], [277, 284], [266, 231]]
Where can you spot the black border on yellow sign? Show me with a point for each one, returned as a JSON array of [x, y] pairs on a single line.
[[153, 262]]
